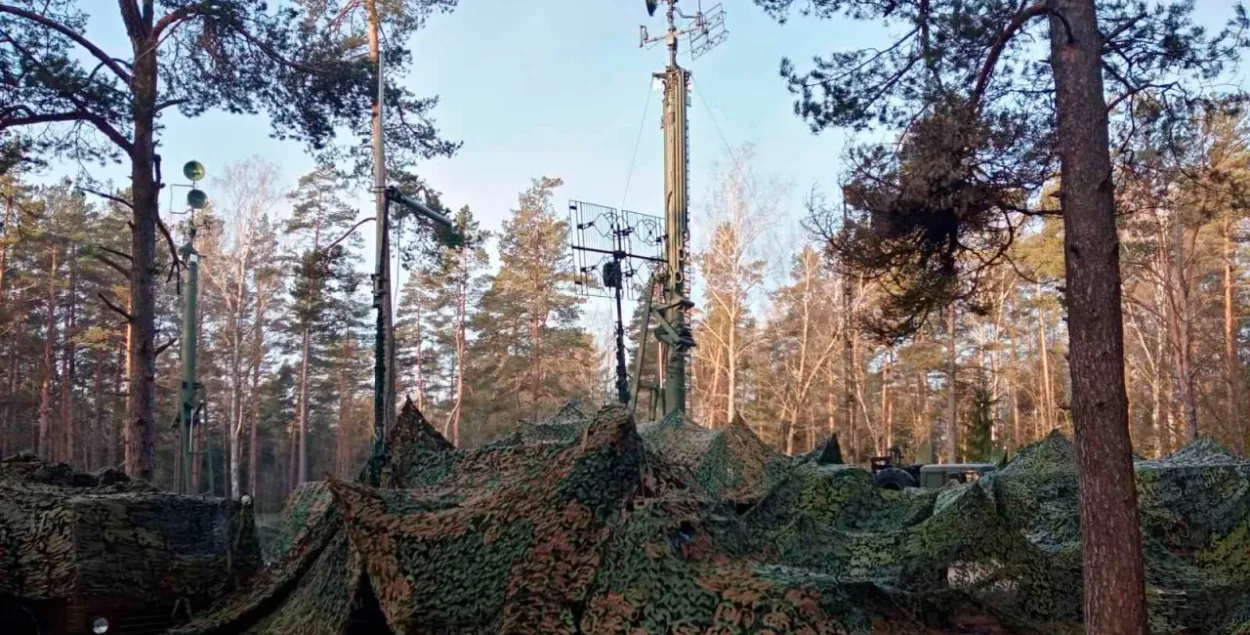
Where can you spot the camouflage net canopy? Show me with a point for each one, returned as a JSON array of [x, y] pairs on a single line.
[[604, 527], [73, 536]]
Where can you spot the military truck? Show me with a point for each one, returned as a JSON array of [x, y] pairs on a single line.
[[889, 472]]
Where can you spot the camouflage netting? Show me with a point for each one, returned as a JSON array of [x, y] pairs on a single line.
[[603, 528], [67, 534], [732, 464]]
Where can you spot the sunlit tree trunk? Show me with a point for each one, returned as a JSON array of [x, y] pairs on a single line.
[[1047, 402], [1183, 332], [952, 396], [99, 436], [1114, 579], [1232, 366], [68, 371], [46, 446]]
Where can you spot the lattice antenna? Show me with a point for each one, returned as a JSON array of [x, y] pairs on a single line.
[[705, 30], [608, 246]]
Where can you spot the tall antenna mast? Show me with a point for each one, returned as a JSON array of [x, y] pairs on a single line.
[[705, 31]]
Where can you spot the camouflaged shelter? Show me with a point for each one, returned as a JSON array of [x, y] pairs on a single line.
[[671, 528], [75, 547]]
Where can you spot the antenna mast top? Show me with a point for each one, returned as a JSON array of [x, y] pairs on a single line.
[[706, 29]]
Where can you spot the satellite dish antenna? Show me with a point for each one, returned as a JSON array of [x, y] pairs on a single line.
[[651, 6], [193, 170]]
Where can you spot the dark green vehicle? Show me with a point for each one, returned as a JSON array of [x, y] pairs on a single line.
[[888, 472]]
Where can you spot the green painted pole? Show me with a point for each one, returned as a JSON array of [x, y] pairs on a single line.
[[189, 340]]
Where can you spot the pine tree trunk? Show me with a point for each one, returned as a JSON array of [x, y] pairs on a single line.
[[952, 395], [461, 332], [1047, 401], [418, 361], [343, 444], [1184, 337], [68, 353], [1013, 381], [1114, 589], [141, 446], [4, 251], [299, 434], [98, 434], [301, 429], [119, 388], [731, 369], [885, 401], [47, 445], [1232, 365], [848, 361], [258, 357], [6, 410], [831, 414]]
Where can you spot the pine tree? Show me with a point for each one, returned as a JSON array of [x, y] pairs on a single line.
[[979, 445], [459, 282], [325, 277], [530, 354]]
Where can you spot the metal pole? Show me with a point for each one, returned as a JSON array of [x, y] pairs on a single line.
[[189, 341], [622, 375], [676, 221], [384, 364], [642, 349]]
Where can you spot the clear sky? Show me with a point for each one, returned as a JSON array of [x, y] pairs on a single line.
[[558, 88]]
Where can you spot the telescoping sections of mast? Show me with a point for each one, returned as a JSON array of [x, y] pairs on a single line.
[[705, 31]]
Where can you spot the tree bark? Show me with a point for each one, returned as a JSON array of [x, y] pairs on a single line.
[[141, 445], [68, 353], [46, 447], [848, 359], [1184, 335], [1013, 381], [1114, 581], [300, 432], [258, 357], [1047, 402], [886, 411], [952, 396], [1232, 365], [301, 429], [461, 331], [98, 434], [6, 410]]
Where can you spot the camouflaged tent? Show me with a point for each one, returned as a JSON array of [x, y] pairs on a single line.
[[677, 529], [76, 546]]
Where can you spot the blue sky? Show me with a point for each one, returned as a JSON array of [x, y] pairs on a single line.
[[558, 87]]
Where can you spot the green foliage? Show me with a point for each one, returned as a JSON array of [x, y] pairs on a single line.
[[933, 210], [979, 444], [530, 354]]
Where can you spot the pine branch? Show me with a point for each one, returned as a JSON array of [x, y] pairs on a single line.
[[119, 254], [161, 349], [110, 197], [116, 309], [99, 54], [117, 267]]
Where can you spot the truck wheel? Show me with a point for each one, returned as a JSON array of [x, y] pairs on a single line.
[[893, 478]]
